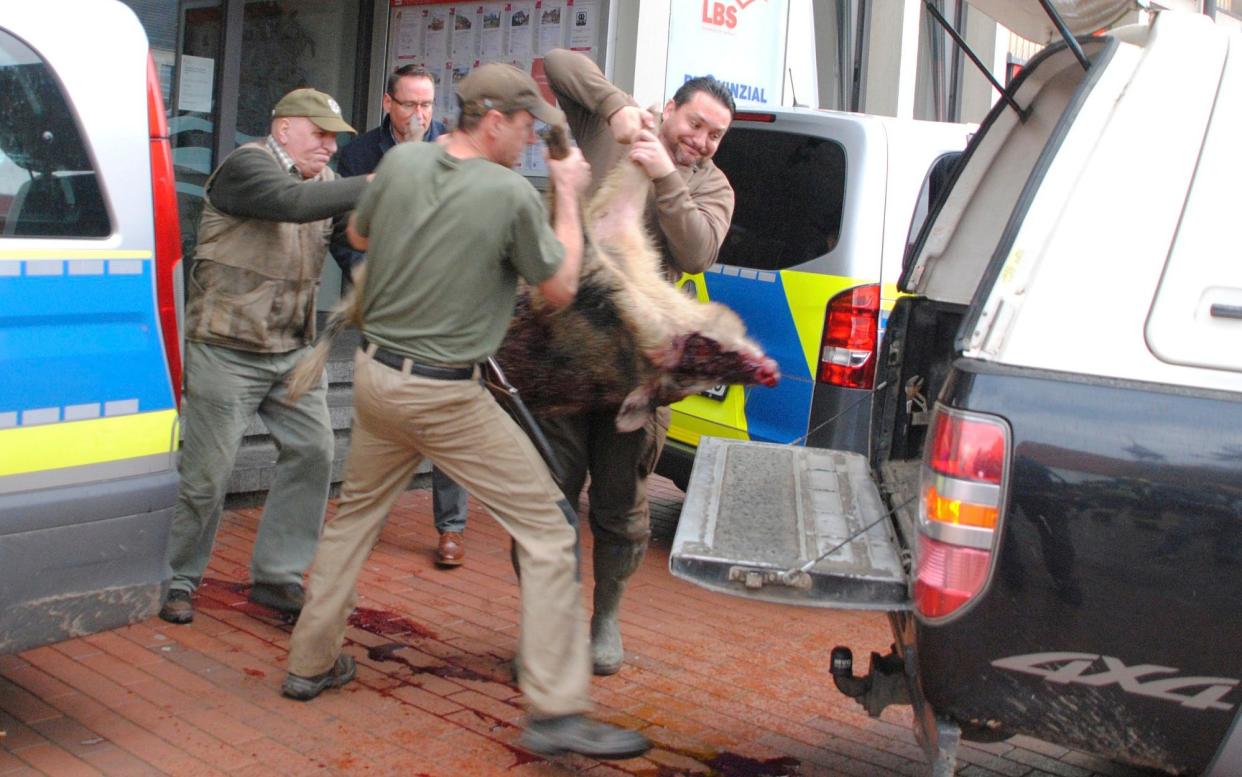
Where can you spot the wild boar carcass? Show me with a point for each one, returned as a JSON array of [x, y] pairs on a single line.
[[629, 339]]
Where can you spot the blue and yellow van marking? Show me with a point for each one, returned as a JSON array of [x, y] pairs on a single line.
[[784, 312], [83, 379], [56, 446]]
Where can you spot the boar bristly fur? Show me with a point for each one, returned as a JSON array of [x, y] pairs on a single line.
[[630, 339]]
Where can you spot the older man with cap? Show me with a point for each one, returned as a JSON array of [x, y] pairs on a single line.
[[270, 209], [449, 229]]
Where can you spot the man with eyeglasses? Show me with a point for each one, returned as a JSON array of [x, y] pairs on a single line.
[[409, 100]]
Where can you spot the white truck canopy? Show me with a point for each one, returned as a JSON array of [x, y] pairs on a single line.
[[1028, 18]]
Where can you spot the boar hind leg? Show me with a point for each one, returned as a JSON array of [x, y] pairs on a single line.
[[622, 244], [617, 209]]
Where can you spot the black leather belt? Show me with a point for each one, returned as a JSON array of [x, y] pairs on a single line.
[[397, 362]]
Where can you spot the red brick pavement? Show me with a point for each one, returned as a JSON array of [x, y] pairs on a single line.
[[723, 686]]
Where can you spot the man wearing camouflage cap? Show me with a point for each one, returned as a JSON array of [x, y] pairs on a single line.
[[268, 214], [448, 230]]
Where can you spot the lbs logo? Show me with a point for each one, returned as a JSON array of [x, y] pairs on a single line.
[[1077, 668], [723, 14]]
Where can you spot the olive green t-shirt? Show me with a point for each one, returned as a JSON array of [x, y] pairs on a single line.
[[448, 239]]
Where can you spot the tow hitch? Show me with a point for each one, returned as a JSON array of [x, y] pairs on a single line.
[[884, 683]]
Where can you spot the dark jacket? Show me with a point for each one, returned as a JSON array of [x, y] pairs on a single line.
[[361, 157]]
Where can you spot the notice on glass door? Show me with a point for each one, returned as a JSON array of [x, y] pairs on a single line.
[[194, 84]]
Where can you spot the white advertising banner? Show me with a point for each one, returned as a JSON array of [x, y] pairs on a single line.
[[740, 42]]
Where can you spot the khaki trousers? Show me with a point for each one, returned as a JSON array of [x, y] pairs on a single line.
[[399, 419]]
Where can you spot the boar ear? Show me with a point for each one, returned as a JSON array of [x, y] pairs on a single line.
[[635, 410]]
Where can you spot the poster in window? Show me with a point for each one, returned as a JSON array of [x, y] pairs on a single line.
[[456, 72], [532, 161], [465, 34], [550, 14], [435, 46], [445, 102], [582, 25], [491, 37], [521, 30], [409, 43]]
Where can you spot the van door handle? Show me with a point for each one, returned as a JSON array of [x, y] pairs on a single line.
[[1226, 311]]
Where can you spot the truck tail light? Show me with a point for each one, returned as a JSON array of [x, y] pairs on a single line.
[[948, 576], [959, 513], [851, 335], [167, 227]]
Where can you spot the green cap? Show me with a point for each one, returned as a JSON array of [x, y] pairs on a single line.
[[506, 89], [314, 105]]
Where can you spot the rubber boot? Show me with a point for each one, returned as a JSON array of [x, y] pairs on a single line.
[[613, 566]]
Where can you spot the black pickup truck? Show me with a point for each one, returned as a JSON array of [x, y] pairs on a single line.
[[1051, 512]]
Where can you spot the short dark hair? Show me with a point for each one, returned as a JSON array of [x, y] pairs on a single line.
[[406, 71], [708, 85]]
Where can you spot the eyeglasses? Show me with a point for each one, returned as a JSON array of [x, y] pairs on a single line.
[[410, 105]]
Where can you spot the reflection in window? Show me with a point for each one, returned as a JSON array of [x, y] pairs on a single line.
[[287, 44], [790, 190], [48, 186]]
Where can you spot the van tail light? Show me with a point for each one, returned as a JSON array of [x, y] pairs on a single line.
[[851, 336], [961, 492], [167, 227]]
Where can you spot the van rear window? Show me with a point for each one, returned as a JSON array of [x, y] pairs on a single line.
[[48, 186], [790, 191]]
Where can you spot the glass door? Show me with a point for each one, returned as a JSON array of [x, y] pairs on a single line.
[[223, 64]]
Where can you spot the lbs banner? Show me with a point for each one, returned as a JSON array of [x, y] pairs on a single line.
[[740, 42]]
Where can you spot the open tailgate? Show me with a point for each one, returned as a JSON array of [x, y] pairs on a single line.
[[756, 513]]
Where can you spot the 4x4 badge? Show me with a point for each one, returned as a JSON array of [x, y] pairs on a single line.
[[1072, 668]]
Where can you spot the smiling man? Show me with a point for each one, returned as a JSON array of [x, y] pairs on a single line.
[[689, 214]]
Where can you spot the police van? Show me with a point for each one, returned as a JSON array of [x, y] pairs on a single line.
[[89, 355], [824, 203]]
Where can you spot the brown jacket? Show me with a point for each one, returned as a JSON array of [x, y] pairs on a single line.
[[690, 209], [262, 240]]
